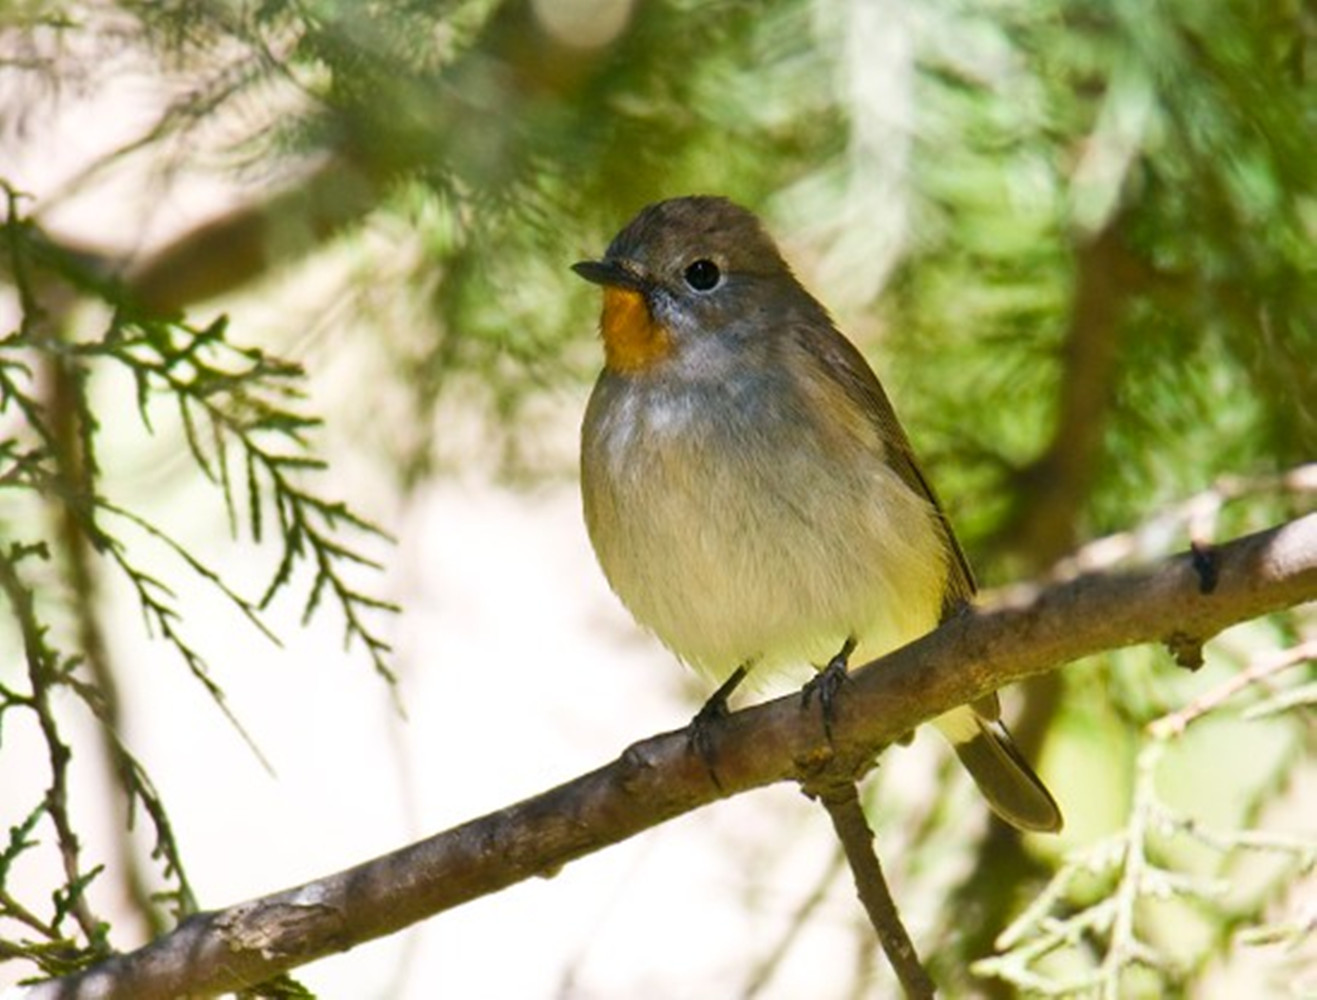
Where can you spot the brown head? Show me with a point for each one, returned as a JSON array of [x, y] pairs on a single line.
[[687, 268]]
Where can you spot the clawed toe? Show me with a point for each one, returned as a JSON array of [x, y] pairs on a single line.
[[700, 732], [826, 684]]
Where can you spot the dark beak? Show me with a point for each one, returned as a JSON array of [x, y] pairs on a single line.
[[610, 274]]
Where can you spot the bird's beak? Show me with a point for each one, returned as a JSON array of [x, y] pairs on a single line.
[[611, 274], [633, 341]]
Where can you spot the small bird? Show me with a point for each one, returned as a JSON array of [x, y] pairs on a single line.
[[748, 490]]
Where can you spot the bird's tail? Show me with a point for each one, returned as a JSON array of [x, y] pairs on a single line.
[[988, 753]]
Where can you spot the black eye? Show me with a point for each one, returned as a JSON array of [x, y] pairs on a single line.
[[703, 275]]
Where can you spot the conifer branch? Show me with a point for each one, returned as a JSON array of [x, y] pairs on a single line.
[[230, 399]]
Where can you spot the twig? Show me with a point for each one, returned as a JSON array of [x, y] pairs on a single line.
[[42, 667], [1177, 722], [76, 535], [842, 801], [1124, 945], [1195, 516]]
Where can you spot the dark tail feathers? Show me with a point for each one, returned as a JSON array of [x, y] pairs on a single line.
[[1006, 780]]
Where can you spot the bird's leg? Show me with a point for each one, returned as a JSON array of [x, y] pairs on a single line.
[[827, 682], [716, 706], [714, 710]]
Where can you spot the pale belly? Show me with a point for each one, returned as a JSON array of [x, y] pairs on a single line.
[[750, 544]]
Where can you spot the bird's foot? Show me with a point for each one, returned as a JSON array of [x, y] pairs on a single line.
[[700, 732], [826, 684]]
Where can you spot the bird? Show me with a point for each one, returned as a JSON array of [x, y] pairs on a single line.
[[748, 490]]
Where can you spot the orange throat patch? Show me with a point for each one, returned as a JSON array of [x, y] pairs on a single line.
[[632, 340]]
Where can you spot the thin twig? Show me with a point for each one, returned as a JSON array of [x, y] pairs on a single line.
[[1194, 516], [842, 800], [75, 535], [41, 671], [1263, 667]]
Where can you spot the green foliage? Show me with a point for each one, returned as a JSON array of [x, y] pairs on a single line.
[[1080, 237], [1118, 918], [1182, 129], [246, 435]]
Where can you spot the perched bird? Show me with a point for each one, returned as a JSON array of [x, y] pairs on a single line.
[[748, 490]]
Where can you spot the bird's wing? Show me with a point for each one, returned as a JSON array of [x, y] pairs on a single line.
[[842, 362]]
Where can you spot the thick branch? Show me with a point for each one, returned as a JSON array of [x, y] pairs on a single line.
[[1027, 631], [1052, 489], [225, 254]]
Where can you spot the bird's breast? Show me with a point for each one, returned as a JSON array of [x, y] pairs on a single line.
[[736, 528]]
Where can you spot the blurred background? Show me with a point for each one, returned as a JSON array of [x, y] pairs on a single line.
[[1076, 240]]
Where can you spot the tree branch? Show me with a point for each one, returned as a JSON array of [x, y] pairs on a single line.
[[1029, 630], [1051, 491], [842, 801], [226, 253]]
